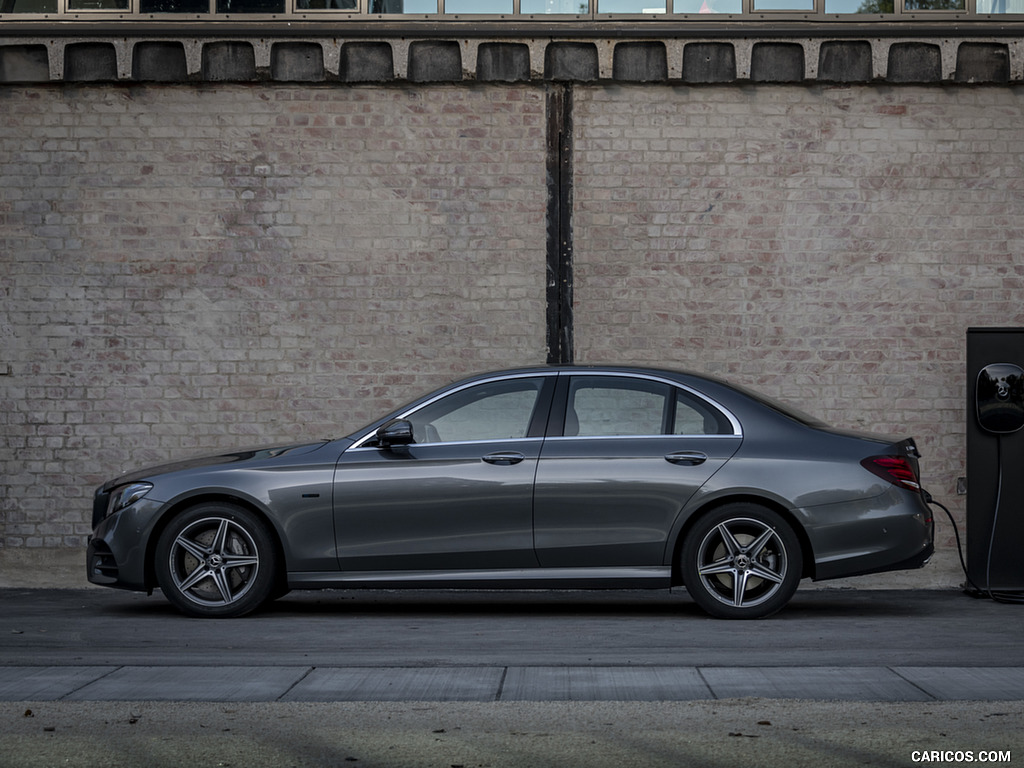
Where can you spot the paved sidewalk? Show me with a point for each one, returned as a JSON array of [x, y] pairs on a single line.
[[490, 684]]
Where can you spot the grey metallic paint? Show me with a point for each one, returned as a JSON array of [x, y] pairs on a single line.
[[575, 511]]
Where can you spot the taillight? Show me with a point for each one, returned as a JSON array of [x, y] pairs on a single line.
[[896, 469]]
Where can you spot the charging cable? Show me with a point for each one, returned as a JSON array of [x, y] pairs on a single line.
[[976, 591]]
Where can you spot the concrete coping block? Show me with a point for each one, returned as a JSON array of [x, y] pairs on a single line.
[[982, 63], [366, 62], [297, 62], [24, 64], [90, 62], [159, 61], [434, 61], [709, 63], [642, 62], [504, 62], [845, 61], [777, 63], [571, 61], [229, 61], [914, 62]]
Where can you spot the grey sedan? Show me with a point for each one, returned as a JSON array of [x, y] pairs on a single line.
[[555, 477]]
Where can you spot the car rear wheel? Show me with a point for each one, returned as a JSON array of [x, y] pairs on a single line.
[[216, 560], [742, 561]]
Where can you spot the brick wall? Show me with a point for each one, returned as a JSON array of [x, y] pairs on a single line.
[[185, 269], [829, 246]]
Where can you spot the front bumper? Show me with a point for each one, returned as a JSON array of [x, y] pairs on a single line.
[[118, 548]]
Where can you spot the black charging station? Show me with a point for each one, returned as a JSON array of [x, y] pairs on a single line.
[[995, 459]]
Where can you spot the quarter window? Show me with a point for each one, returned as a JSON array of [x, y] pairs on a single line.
[[694, 416]]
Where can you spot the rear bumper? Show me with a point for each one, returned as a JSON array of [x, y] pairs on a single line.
[[892, 532]]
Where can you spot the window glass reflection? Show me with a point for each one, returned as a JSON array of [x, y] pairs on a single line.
[[934, 5], [97, 5], [1000, 6], [602, 407], [631, 6], [477, 6], [174, 6], [28, 6], [496, 411], [326, 5], [707, 6], [250, 6], [554, 6], [403, 6], [858, 6], [783, 5]]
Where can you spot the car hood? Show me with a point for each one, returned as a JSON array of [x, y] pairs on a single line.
[[245, 455]]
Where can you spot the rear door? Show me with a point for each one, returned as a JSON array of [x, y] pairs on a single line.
[[630, 452]]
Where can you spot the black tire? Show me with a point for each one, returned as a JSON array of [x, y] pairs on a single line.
[[216, 560], [742, 561]]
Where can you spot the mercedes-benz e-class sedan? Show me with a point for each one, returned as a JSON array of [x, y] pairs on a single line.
[[554, 477]]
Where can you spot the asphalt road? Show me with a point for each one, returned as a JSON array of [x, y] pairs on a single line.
[[846, 628], [98, 677]]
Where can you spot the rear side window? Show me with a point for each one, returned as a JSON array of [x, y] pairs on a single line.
[[606, 406], [600, 407]]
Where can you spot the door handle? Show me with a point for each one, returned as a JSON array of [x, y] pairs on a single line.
[[686, 458], [504, 458]]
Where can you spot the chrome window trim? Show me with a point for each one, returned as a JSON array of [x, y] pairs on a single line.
[[505, 440], [466, 385], [737, 429]]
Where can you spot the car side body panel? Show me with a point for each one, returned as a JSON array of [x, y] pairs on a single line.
[[546, 507], [614, 500]]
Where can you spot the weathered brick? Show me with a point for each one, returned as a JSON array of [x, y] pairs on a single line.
[[228, 277], [810, 245]]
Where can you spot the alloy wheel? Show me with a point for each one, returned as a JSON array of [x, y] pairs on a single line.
[[214, 561]]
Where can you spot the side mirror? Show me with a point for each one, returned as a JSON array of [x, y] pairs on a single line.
[[396, 432]]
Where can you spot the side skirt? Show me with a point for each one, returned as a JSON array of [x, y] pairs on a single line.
[[653, 577]]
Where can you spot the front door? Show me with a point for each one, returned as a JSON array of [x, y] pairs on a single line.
[[460, 497]]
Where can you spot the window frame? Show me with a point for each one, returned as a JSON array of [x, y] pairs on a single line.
[[560, 407]]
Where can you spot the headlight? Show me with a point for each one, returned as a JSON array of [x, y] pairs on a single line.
[[127, 495]]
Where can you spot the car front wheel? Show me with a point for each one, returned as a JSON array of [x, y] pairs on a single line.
[[742, 561], [216, 560]]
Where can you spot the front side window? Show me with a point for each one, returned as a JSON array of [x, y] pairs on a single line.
[[492, 411]]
